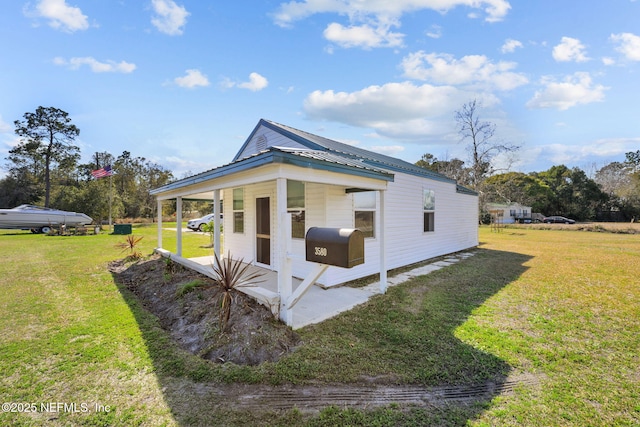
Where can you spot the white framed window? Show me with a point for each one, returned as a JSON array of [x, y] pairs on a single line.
[[296, 207], [428, 208], [364, 204], [238, 210]]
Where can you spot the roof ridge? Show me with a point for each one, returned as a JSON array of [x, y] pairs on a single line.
[[380, 160]]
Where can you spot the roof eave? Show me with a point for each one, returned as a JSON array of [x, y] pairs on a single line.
[[269, 157]]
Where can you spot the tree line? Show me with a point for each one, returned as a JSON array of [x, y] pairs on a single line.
[[44, 168], [613, 194]]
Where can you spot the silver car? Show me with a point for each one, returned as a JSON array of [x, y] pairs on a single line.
[[198, 223]]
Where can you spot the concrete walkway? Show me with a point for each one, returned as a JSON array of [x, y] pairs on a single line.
[[319, 304]]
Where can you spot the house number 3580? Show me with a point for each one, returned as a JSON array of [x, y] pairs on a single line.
[[320, 251]]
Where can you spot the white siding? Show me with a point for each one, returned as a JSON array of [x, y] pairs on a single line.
[[456, 218], [455, 221]]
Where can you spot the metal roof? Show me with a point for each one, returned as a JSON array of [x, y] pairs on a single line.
[[377, 160], [321, 153], [298, 157]]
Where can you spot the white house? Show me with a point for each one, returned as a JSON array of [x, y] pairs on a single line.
[[509, 213], [283, 181]]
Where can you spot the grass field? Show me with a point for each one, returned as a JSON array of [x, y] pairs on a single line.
[[561, 306]]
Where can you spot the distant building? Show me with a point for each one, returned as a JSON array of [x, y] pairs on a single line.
[[509, 213]]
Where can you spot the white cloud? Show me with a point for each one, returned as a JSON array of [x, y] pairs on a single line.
[[169, 18], [61, 16], [183, 167], [396, 110], [4, 127], [363, 36], [570, 49], [256, 83], [628, 45], [607, 148], [608, 61], [293, 11], [435, 32], [95, 65], [389, 150], [471, 69], [370, 21], [573, 90], [390, 102], [510, 45], [192, 79]]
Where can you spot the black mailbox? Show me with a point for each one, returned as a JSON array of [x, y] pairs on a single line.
[[342, 247]]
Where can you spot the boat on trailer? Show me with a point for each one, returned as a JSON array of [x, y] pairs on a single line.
[[39, 219]]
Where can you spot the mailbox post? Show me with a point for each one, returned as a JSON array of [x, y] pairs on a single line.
[[340, 247]]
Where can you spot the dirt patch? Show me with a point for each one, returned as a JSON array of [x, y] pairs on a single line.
[[187, 305]]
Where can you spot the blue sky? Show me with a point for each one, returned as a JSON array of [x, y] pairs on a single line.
[[183, 83]]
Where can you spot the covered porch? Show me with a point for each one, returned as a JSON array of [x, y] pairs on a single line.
[[265, 236]]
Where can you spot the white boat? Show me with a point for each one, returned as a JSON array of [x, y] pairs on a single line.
[[39, 219]]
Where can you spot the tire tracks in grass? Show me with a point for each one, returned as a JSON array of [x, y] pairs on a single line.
[[313, 398]]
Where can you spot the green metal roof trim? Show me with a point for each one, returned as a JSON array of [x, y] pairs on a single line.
[[464, 190], [302, 158], [315, 142]]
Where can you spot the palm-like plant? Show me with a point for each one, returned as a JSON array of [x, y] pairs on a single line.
[[230, 275], [131, 244]]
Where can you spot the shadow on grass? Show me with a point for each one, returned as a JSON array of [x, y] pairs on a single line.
[[399, 347]]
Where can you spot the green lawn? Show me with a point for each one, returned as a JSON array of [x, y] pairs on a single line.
[[560, 306]]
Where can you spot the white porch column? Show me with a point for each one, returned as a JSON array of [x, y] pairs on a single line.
[[179, 226], [383, 246], [216, 222], [285, 283], [159, 207]]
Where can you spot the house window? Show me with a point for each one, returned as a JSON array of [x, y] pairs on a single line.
[[365, 209], [238, 210], [428, 207], [512, 213], [296, 207]]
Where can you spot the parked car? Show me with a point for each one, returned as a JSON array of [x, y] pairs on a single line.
[[555, 219], [196, 224]]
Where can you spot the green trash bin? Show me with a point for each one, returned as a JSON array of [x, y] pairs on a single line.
[[122, 229]]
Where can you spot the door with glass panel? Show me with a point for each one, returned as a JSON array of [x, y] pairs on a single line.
[[263, 231]]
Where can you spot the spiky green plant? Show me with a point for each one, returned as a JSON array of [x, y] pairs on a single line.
[[230, 275]]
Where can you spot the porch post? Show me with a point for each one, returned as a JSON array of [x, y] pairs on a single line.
[[159, 207], [383, 246], [179, 226], [216, 222], [285, 285]]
